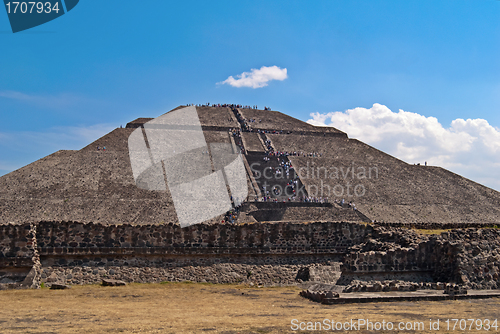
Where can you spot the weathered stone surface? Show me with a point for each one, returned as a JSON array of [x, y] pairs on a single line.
[[319, 296], [91, 185], [455, 289], [387, 258], [325, 287], [112, 282], [57, 286]]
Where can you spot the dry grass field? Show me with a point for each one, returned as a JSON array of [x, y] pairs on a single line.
[[205, 308]]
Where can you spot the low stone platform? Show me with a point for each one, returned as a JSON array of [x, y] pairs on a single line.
[[394, 296]]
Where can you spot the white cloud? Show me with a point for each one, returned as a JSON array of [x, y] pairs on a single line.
[[468, 147], [257, 78]]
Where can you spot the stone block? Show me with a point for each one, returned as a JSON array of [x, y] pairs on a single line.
[[57, 286], [112, 282]]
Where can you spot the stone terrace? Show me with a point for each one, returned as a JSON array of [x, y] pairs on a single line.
[[86, 185], [217, 117], [398, 192], [275, 120], [252, 142]]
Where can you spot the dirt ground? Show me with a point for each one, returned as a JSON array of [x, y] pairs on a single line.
[[206, 308]]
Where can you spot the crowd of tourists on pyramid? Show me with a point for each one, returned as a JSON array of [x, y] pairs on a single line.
[[232, 215], [241, 120], [246, 124], [291, 192], [237, 139], [226, 105], [305, 199], [298, 154]]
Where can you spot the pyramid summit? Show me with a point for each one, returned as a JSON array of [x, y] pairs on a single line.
[[294, 172]]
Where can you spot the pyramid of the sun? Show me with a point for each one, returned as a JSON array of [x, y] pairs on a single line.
[[91, 185]]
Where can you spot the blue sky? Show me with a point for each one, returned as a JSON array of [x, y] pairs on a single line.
[[67, 82]]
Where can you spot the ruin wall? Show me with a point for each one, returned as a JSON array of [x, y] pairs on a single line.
[[15, 245], [271, 253], [274, 238]]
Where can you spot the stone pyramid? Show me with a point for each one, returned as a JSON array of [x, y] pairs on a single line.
[[91, 185]]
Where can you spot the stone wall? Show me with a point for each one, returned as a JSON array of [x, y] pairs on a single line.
[[277, 238], [77, 253], [469, 257], [15, 245], [261, 270], [272, 253], [477, 257], [437, 226]]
